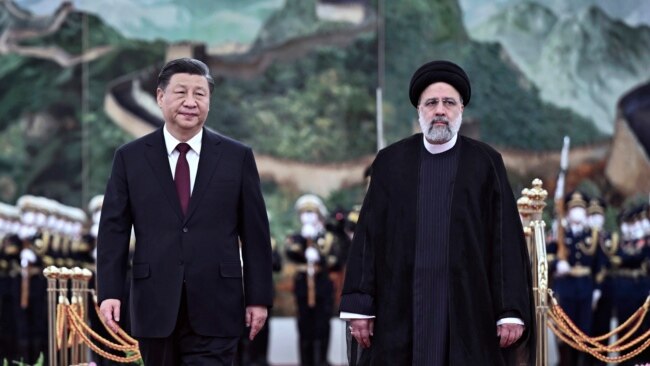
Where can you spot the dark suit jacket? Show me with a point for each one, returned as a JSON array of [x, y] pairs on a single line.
[[201, 249], [489, 269]]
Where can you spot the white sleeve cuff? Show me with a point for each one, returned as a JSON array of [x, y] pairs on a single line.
[[345, 315], [510, 321]]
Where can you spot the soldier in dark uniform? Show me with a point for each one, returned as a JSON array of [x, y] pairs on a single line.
[[10, 246], [314, 252], [630, 277], [30, 311], [607, 245], [574, 283]]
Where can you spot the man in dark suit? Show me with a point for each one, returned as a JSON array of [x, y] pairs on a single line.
[[438, 272], [191, 196]]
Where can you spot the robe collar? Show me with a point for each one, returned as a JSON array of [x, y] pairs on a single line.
[[437, 149]]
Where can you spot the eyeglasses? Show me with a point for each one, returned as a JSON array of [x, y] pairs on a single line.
[[447, 103]]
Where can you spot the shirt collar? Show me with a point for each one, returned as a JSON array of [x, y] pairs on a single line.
[[171, 142], [437, 149]]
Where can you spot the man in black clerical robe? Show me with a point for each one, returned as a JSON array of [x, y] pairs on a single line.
[[438, 272]]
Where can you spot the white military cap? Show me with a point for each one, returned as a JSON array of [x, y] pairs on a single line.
[[77, 214], [27, 203], [311, 202], [95, 203], [9, 211]]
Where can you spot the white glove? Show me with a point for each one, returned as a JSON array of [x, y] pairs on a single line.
[[308, 231], [563, 267], [312, 255], [94, 230], [595, 296], [27, 256]]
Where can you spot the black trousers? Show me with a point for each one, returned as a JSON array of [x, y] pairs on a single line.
[[185, 347]]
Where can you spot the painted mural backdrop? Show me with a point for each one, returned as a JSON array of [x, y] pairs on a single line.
[[297, 80]]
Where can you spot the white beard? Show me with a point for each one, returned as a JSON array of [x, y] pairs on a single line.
[[440, 134]]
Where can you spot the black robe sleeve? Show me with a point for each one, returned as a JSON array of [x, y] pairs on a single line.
[[511, 269], [358, 294]]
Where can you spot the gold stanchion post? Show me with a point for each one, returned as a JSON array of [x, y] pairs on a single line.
[[51, 273], [77, 278], [64, 276], [531, 205], [87, 275]]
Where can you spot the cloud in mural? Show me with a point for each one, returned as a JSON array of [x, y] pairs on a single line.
[[214, 22]]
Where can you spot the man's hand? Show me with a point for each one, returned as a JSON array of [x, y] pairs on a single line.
[[255, 318], [362, 330], [509, 334], [110, 311]]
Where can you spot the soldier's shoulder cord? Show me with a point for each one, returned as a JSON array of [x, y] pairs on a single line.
[[42, 243], [325, 243], [589, 244]]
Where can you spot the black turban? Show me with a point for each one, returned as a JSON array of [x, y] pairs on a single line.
[[439, 71]]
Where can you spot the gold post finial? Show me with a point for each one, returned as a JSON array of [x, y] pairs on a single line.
[[87, 274], [537, 196], [51, 272]]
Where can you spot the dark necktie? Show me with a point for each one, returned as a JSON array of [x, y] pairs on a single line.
[[182, 176]]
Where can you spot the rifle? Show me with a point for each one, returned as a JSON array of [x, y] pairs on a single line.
[[311, 281], [559, 199]]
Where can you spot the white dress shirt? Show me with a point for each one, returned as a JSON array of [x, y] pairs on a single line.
[[192, 155]]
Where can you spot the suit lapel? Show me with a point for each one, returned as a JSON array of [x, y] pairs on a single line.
[[210, 153], [156, 155]]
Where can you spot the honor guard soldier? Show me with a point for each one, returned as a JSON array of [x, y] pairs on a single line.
[[30, 310], [574, 271], [607, 245], [630, 278], [313, 249], [10, 247]]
